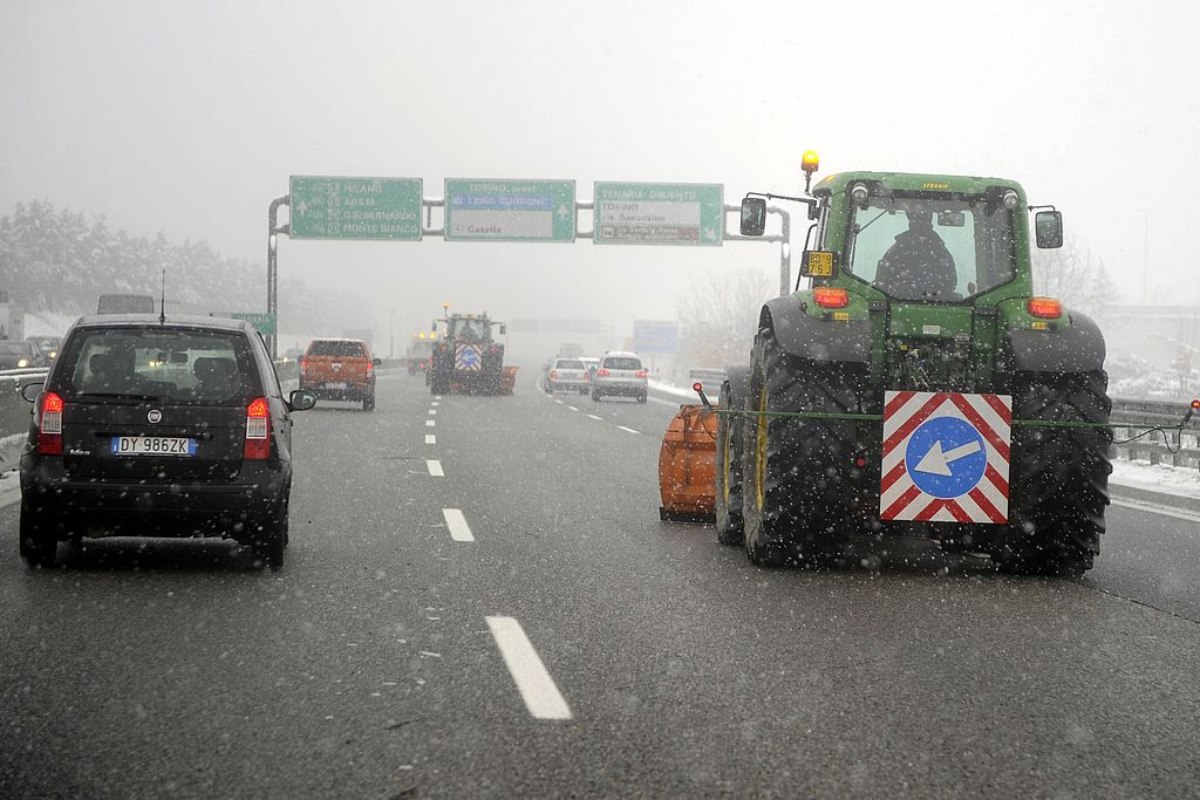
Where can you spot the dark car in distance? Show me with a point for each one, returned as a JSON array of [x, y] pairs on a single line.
[[175, 428], [19, 355]]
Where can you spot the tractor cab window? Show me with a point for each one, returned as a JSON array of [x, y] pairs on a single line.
[[936, 250], [471, 330]]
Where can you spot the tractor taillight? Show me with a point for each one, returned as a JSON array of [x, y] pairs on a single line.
[[50, 441], [258, 430], [1044, 307], [831, 297]]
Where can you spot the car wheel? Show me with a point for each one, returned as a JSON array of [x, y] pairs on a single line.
[[272, 539], [641, 398], [369, 402], [38, 540]]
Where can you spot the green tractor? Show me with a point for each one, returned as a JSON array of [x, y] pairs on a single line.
[[917, 387], [468, 358]]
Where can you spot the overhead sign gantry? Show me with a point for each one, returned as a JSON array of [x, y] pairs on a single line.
[[504, 210]]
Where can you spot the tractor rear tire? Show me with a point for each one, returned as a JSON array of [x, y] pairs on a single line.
[[728, 503], [798, 492], [1059, 476]]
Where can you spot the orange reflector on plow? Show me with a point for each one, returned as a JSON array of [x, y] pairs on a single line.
[[687, 477]]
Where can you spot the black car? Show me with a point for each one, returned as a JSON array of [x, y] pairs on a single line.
[[159, 428]]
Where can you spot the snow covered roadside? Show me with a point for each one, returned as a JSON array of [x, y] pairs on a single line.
[[1161, 478]]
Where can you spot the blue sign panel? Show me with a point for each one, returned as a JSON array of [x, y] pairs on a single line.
[[946, 457], [651, 336]]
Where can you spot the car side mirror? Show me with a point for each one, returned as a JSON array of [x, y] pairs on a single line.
[[30, 391], [301, 400], [1048, 229], [754, 216], [375, 362]]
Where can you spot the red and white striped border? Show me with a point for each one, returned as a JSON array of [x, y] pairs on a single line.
[[899, 496]]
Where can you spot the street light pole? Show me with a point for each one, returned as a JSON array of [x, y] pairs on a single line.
[[273, 230]]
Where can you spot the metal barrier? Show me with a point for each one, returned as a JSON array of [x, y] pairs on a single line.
[[1173, 445]]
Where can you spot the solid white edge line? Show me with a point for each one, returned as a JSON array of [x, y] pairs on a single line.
[[1152, 509], [537, 688], [627, 430], [460, 531], [435, 467], [430, 439]]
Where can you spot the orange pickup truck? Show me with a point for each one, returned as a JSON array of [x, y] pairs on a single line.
[[340, 369]]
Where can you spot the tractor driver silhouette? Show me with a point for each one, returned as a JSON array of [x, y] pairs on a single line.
[[918, 266]]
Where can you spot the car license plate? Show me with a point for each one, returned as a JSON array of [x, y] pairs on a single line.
[[335, 386], [153, 446]]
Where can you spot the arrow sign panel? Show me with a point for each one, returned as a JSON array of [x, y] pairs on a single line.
[[945, 457]]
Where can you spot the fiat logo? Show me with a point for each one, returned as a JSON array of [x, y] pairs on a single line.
[[155, 416]]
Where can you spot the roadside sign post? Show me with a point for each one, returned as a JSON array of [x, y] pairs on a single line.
[[356, 208], [509, 210], [264, 322], [659, 213]]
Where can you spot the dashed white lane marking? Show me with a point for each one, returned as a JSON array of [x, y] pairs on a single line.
[[430, 439], [437, 397], [1153, 509], [435, 404], [592, 416], [430, 423], [537, 688], [435, 467], [460, 531], [627, 430], [573, 408], [433, 412], [560, 402]]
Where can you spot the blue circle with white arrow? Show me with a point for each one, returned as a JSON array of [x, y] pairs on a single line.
[[945, 457], [469, 357]]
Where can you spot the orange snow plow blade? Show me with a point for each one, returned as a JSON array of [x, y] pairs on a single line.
[[687, 466], [508, 380]]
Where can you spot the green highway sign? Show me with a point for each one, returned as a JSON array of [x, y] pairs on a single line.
[[263, 321], [355, 208], [659, 213], [510, 210]]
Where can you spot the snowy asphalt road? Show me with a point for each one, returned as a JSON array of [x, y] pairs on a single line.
[[523, 625]]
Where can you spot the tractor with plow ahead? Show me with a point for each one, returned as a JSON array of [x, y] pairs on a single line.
[[918, 386]]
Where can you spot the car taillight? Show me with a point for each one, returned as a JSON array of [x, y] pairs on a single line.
[[603, 373], [258, 430], [50, 442], [641, 373], [370, 368]]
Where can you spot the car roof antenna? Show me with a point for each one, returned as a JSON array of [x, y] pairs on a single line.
[[162, 307]]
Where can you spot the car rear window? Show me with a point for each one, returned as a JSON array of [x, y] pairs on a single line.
[[569, 363], [622, 362], [188, 367], [334, 347]]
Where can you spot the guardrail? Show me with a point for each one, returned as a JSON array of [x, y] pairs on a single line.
[[1174, 445]]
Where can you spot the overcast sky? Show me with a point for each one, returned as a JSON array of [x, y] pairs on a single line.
[[188, 118]]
